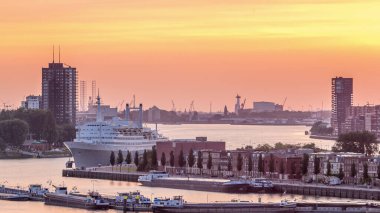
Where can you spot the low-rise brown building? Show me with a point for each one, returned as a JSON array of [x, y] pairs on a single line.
[[185, 145]]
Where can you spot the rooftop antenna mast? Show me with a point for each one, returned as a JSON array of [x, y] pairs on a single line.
[[59, 54], [53, 53], [134, 101]]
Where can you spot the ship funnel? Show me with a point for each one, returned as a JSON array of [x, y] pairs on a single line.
[[127, 112], [140, 115]]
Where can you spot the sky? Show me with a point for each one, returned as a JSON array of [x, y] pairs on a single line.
[[201, 50]]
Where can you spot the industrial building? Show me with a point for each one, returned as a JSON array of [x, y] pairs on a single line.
[[264, 106]]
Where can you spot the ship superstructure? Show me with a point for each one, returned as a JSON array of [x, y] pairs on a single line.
[[95, 141]]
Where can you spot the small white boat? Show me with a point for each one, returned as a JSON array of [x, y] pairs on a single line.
[[153, 175], [175, 202], [287, 204]]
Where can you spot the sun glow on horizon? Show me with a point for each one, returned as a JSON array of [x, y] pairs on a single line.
[[240, 43]]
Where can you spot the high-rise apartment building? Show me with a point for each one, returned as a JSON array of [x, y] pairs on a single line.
[[59, 92], [342, 98]]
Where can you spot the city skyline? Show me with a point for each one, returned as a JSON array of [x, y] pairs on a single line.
[[162, 51]]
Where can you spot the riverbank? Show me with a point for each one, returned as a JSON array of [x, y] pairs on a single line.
[[206, 184], [20, 154], [324, 137]]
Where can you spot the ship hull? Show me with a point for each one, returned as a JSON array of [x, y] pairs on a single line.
[[92, 155]]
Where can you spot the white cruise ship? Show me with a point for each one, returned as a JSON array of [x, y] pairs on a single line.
[[95, 141]]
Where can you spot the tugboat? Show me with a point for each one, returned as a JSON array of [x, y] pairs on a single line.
[[61, 198], [14, 197], [133, 201], [152, 175], [176, 202], [37, 190], [260, 185], [236, 186]]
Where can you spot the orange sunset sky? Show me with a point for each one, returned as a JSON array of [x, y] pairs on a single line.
[[201, 50]]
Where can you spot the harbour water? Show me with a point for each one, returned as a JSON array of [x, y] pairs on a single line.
[[23, 172]]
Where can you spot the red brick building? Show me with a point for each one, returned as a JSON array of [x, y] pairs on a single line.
[[292, 165], [185, 145]]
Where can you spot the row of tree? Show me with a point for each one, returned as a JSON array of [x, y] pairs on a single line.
[[41, 125], [359, 142], [12, 133]]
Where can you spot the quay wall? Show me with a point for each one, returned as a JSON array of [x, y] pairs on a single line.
[[301, 189], [328, 191], [130, 177]]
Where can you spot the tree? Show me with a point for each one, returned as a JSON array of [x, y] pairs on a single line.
[[3, 145], [163, 159], [181, 159], [366, 177], [229, 165], [320, 128], [317, 168], [136, 160], [282, 167], [209, 161], [191, 158], [154, 157], [271, 164], [13, 132], [353, 170], [112, 159], [264, 148], [49, 132], [128, 159], [260, 164], [293, 168], [120, 159], [65, 132], [145, 160], [328, 173], [239, 165], [200, 160], [341, 173], [250, 163], [225, 110], [359, 142], [305, 163], [171, 159]]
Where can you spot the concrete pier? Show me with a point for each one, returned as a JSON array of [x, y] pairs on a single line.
[[130, 177], [329, 191], [341, 191]]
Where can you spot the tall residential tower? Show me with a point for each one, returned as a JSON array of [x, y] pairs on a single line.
[[59, 91], [342, 98]]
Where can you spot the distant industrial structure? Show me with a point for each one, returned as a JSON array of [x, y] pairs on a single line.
[[59, 91], [342, 98], [32, 102], [83, 96], [154, 114], [239, 106], [107, 113], [264, 106]]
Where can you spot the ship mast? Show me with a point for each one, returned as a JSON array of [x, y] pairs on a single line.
[[99, 116]]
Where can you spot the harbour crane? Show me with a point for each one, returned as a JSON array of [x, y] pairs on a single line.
[[173, 106], [243, 104], [283, 103], [191, 110]]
